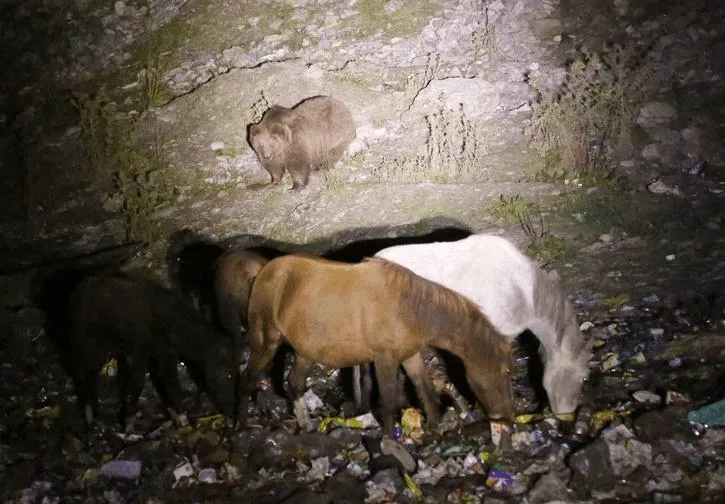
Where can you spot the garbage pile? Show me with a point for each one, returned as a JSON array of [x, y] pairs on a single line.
[[650, 430]]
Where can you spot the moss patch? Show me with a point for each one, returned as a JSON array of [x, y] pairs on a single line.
[[373, 19]]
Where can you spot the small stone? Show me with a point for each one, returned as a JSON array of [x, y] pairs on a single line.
[[653, 113], [122, 469], [549, 488], [119, 7], [647, 397]]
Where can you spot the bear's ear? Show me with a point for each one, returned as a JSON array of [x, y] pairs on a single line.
[[254, 129]]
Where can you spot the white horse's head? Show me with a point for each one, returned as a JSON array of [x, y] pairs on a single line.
[[564, 376]]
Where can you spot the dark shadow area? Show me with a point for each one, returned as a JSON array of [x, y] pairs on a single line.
[[528, 346], [144, 326]]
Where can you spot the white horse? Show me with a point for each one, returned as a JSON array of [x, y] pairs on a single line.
[[515, 294]]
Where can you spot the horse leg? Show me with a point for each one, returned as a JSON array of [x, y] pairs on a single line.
[[131, 378], [165, 378], [387, 372], [261, 353], [362, 384], [296, 381], [357, 393], [415, 368]]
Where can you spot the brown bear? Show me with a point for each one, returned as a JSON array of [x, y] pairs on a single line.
[[310, 136]]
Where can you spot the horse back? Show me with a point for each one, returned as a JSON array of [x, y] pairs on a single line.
[[336, 313]]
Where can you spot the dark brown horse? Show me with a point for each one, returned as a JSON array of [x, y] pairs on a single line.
[[145, 327], [234, 275], [342, 315]]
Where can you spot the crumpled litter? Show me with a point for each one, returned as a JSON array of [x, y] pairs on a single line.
[[214, 422], [417, 492], [615, 302], [122, 469], [600, 419], [110, 368], [45, 411], [498, 479], [312, 401], [364, 421]]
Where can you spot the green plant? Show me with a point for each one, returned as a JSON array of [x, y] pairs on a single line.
[[332, 180], [592, 112], [452, 146], [544, 246], [416, 82], [231, 151], [401, 170], [512, 208], [484, 39], [100, 133], [550, 249], [452, 150], [254, 114], [113, 153]]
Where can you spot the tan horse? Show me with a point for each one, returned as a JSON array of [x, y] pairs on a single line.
[[341, 315]]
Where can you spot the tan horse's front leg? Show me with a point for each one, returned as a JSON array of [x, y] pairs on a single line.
[[296, 382], [261, 354], [415, 369], [387, 372]]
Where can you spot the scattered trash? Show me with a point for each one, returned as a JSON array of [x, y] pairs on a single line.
[[122, 469], [110, 368], [498, 480], [44, 412], [638, 358], [585, 326], [610, 362], [183, 470], [674, 398], [417, 492], [411, 420], [391, 447], [647, 397], [312, 401], [129, 438], [365, 421], [601, 418], [207, 475], [500, 431], [616, 302], [320, 469], [214, 422], [652, 298], [710, 415]]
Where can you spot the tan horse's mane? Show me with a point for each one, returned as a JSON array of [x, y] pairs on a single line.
[[441, 312]]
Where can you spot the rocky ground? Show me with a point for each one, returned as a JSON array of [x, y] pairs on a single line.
[[127, 122]]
